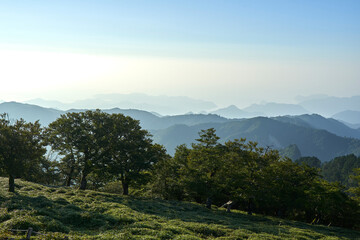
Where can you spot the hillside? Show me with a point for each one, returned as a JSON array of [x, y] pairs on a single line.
[[319, 122], [147, 120], [29, 112], [267, 132], [60, 212]]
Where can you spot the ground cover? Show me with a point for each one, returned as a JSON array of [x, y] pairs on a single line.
[[59, 212]]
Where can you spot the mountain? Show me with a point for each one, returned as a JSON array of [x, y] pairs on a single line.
[[30, 113], [292, 151], [276, 109], [150, 121], [314, 135], [319, 122], [147, 120], [267, 132], [49, 103], [234, 112], [352, 117], [328, 106], [165, 105], [191, 119]]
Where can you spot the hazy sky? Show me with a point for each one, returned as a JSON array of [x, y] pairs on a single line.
[[226, 51]]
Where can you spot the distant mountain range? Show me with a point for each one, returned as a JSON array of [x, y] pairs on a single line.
[[265, 110], [164, 105], [346, 110], [305, 135], [352, 117], [30, 112], [318, 122], [148, 120], [267, 132], [329, 106], [234, 112]]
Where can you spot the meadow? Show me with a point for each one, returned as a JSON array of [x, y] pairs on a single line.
[[59, 212]]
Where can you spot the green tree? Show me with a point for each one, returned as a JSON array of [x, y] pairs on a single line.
[[356, 189], [255, 179], [131, 151], [340, 169], [103, 147], [167, 175], [283, 188], [81, 138], [21, 148], [203, 166], [310, 161]]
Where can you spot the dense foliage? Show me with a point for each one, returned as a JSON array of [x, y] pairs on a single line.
[[356, 189], [255, 179], [340, 169], [21, 149], [310, 161], [103, 146]]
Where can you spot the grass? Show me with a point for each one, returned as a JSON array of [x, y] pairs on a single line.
[[57, 212]]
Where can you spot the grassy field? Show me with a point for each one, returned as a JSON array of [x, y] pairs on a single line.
[[60, 212]]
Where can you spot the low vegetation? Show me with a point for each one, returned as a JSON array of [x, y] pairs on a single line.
[[57, 212]]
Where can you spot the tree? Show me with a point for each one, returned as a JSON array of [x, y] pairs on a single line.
[[21, 148], [255, 179], [310, 161], [103, 146], [340, 168], [130, 150], [81, 139], [356, 189]]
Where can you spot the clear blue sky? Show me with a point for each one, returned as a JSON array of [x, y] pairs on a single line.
[[279, 43]]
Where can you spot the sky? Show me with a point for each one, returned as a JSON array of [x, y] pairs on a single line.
[[226, 51]]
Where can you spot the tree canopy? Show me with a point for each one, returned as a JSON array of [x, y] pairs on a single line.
[[21, 147], [107, 146], [254, 179], [340, 169]]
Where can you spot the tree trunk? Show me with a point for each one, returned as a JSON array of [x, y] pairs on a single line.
[[83, 182], [68, 181], [69, 177], [11, 183], [125, 186]]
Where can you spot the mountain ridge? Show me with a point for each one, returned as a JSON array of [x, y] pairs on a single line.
[[162, 104], [267, 132], [325, 134]]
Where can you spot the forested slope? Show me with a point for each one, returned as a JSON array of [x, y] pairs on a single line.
[[267, 132]]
